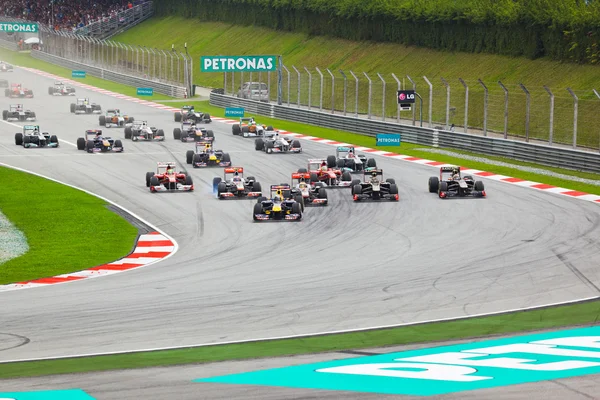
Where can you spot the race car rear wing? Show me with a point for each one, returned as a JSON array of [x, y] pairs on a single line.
[[233, 170], [300, 175], [449, 169], [279, 187], [371, 171]]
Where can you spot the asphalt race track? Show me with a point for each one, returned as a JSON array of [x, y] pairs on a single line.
[[344, 266]]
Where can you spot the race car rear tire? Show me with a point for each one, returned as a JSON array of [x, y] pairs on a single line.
[[226, 158], [72, 107], [371, 163], [357, 189], [302, 170], [189, 180], [331, 162], [297, 209], [296, 144], [177, 116], [478, 186], [189, 156], [314, 177], [390, 180], [346, 176], [54, 139], [177, 133], [393, 188], [89, 146], [80, 143], [160, 134], [355, 182], [322, 193], [235, 129], [434, 184], [149, 176], [118, 143], [154, 181], [18, 139], [259, 144], [221, 188], [257, 210], [102, 121], [256, 187]]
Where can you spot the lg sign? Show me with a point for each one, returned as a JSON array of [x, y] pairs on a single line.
[[406, 96]]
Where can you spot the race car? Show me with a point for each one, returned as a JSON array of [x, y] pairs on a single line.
[[234, 185], [189, 132], [273, 143], [16, 112], [4, 67], [205, 156], [113, 117], [319, 171], [280, 206], [375, 188], [452, 184], [346, 159], [60, 89], [141, 131], [94, 142], [167, 179], [188, 113], [3, 83], [17, 90], [249, 128], [33, 137], [83, 106], [311, 192]]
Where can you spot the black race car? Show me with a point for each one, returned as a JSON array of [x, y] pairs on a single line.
[[271, 142], [16, 112], [205, 156], [452, 184], [141, 131], [281, 206], [189, 132], [234, 185], [188, 113], [94, 142], [375, 188]]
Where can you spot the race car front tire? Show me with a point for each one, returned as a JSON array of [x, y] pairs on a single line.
[[296, 144], [149, 176], [154, 181], [195, 158], [189, 180], [89, 146], [177, 133], [357, 189], [54, 139], [259, 144], [118, 143], [18, 139], [102, 121], [443, 187], [346, 177], [177, 117], [221, 188], [5, 115], [80, 143], [371, 163], [226, 158], [210, 134], [300, 200], [216, 181], [160, 134], [257, 210], [296, 209], [478, 186], [235, 129], [189, 156], [73, 107], [393, 188]]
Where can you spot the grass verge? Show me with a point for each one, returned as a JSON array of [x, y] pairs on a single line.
[[60, 229], [25, 60], [578, 314], [415, 151]]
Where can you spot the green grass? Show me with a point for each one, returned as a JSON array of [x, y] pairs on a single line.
[[414, 150], [24, 59], [580, 314], [61, 228], [297, 49]]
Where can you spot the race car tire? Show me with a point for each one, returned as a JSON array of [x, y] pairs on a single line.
[[256, 187], [346, 177], [302, 170], [32, 115], [235, 129], [257, 210], [270, 127], [331, 162], [478, 186], [18, 139], [177, 117], [390, 180], [210, 133], [80, 143], [189, 156], [160, 134], [89, 146], [286, 193], [149, 176], [134, 138], [269, 146], [177, 133], [189, 180], [196, 159], [443, 187], [251, 178], [54, 139], [355, 182], [296, 144], [259, 144], [340, 163], [102, 120], [221, 188], [50, 90], [226, 158], [154, 181], [393, 188], [261, 199], [73, 107], [314, 177], [467, 177], [5, 115], [322, 193], [300, 200], [297, 209], [434, 184], [118, 143], [245, 129], [130, 120], [371, 163], [357, 189], [216, 181]]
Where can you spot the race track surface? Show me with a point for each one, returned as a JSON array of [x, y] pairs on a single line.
[[344, 266]]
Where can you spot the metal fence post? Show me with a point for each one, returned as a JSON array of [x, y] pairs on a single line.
[[505, 109], [398, 104], [414, 111], [430, 101], [527, 109], [321, 92], [485, 106], [287, 71], [356, 95], [309, 86], [383, 97], [466, 123], [332, 91], [575, 112], [370, 95], [551, 133], [345, 89], [298, 98], [447, 103]]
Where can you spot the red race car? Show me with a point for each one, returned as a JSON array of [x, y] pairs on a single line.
[[17, 90], [167, 179], [320, 171]]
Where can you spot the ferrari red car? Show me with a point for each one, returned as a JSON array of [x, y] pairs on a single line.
[[168, 179], [332, 177], [17, 90]]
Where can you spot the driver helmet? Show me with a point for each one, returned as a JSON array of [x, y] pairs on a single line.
[[302, 184], [98, 134], [278, 197], [374, 174], [456, 177], [170, 170], [323, 166]]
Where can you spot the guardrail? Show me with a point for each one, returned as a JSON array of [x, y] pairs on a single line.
[[9, 45], [169, 90], [522, 151]]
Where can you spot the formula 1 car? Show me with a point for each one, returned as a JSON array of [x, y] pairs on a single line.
[[166, 179], [346, 159], [311, 192], [234, 185], [319, 171], [4, 67], [16, 112], [205, 156], [249, 128], [83, 106], [3, 83], [189, 132], [94, 142], [32, 137], [375, 188], [273, 143], [113, 117], [17, 90], [452, 184], [188, 113], [141, 131], [281, 206], [60, 89]]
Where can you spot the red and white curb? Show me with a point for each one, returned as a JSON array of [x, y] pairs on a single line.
[[484, 174], [149, 249]]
